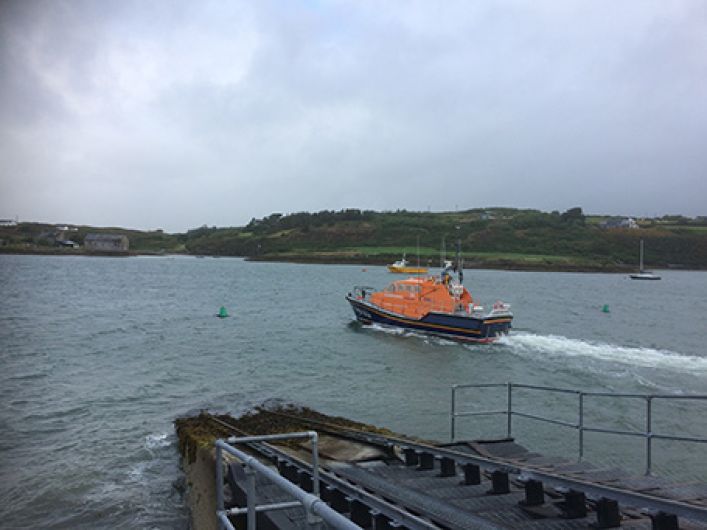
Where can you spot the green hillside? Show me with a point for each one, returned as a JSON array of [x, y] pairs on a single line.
[[498, 237], [492, 237]]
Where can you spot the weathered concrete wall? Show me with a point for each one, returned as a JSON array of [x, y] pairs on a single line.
[[197, 435], [201, 488]]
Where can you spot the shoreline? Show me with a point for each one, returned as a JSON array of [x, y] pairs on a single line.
[[470, 263]]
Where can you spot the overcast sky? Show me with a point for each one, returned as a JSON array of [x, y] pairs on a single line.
[[174, 114]]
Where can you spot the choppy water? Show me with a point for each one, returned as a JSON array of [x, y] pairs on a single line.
[[99, 355]]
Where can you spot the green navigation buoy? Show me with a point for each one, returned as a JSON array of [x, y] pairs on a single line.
[[605, 309], [222, 313]]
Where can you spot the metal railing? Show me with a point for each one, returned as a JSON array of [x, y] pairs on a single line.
[[580, 426], [316, 509]]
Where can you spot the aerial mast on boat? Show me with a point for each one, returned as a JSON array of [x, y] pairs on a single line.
[[418, 254], [460, 260], [443, 253]]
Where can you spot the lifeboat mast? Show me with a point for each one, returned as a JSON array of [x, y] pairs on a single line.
[[460, 260]]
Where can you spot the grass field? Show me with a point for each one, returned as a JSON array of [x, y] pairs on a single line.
[[433, 253], [700, 229]]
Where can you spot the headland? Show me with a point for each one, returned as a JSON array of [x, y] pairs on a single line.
[[491, 238]]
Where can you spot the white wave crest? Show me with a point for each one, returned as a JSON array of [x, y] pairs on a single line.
[[387, 329], [137, 472], [403, 332], [155, 441], [527, 344]]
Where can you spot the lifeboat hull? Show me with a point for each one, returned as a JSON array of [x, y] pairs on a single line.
[[470, 328]]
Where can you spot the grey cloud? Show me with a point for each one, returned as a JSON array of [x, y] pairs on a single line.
[[177, 114]]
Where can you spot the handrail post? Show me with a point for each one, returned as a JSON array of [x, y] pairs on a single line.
[[315, 464], [250, 494], [509, 413], [453, 414], [219, 482], [313, 520], [649, 434], [581, 426]]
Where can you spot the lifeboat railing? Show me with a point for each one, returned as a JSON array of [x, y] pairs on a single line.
[[647, 433]]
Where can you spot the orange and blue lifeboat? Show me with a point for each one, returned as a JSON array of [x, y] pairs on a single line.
[[431, 305]]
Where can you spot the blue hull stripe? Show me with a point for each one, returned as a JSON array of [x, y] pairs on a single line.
[[469, 328]]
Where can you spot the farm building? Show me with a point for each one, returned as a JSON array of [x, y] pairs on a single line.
[[106, 243], [626, 222]]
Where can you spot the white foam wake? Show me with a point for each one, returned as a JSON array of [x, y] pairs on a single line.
[[529, 344], [439, 341], [155, 441]]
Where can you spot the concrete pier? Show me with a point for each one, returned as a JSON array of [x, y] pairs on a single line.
[[380, 479]]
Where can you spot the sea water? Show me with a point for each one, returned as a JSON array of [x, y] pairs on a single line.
[[98, 356]]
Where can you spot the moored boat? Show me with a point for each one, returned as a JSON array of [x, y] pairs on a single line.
[[643, 274], [433, 305], [403, 266]]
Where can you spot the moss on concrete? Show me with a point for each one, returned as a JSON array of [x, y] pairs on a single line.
[[199, 431]]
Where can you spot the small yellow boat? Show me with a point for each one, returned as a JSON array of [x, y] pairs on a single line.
[[403, 266]]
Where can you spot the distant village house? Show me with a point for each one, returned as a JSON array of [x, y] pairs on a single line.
[[8, 222], [62, 237], [68, 243], [625, 222], [106, 243], [487, 216]]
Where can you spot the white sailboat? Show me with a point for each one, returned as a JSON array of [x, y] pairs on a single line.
[[643, 274]]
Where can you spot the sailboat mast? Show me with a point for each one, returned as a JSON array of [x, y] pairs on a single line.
[[641, 258]]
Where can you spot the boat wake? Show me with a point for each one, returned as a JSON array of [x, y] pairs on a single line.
[[400, 332], [529, 344]]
